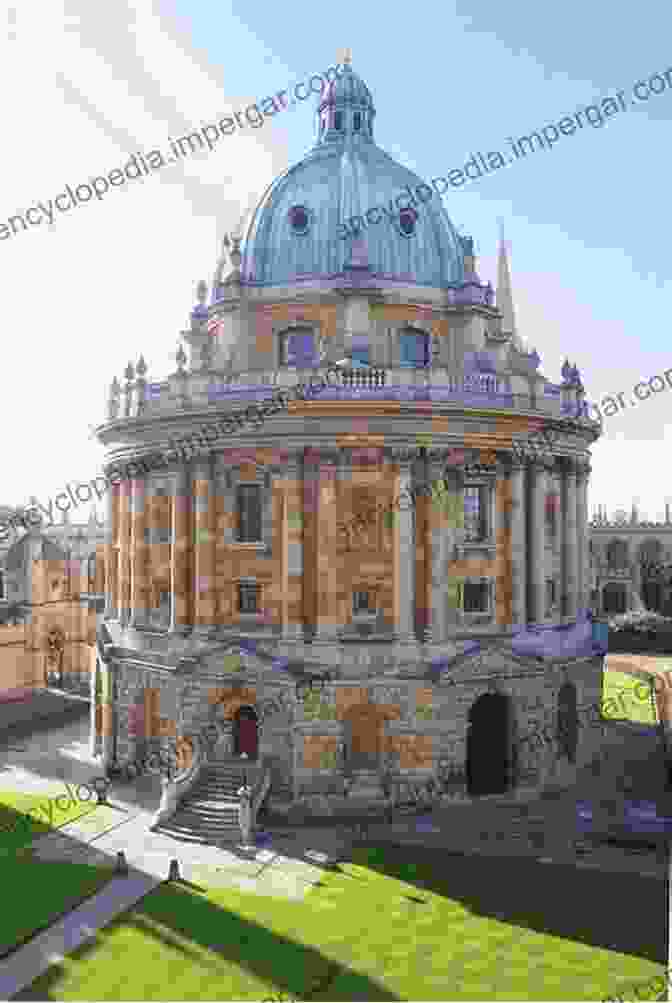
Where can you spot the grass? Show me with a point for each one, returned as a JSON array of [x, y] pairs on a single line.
[[23, 817], [627, 698], [382, 928], [39, 891]]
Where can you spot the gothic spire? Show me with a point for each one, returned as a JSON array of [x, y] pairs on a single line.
[[504, 293]]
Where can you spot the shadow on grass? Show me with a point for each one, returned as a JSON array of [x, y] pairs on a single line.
[[627, 913], [172, 914]]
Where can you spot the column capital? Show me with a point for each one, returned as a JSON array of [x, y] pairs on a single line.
[[403, 454], [321, 456], [583, 468]]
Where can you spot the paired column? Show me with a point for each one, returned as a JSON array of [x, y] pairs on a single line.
[[291, 544], [180, 551], [111, 558], [403, 552], [569, 542], [582, 478], [322, 495], [518, 544], [537, 543], [203, 544], [435, 534], [139, 612], [124, 553]]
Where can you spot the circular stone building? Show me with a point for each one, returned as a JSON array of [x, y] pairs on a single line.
[[374, 582]]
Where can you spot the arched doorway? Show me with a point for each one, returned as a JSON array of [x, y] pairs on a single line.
[[245, 732], [489, 745], [614, 598]]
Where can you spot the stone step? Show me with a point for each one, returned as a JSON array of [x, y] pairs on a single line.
[[189, 835], [192, 823]]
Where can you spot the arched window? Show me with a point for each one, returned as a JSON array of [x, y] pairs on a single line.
[[338, 121], [357, 121], [297, 348], [414, 349]]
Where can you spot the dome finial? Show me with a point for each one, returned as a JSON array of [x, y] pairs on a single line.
[[345, 57]]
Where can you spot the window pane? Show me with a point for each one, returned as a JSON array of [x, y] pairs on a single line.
[[249, 513], [475, 513], [360, 602], [413, 349], [300, 349], [248, 596], [476, 597]]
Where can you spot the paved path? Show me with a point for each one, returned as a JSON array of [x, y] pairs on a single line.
[[50, 947], [45, 762]]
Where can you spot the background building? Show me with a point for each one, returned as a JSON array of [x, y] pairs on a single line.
[[628, 556]]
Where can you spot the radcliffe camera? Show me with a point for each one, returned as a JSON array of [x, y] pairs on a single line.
[[352, 646]]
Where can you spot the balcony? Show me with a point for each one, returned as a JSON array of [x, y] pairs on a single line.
[[207, 388]]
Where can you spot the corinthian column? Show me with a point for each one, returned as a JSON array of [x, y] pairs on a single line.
[[536, 543], [111, 560], [518, 544], [569, 542], [180, 551], [320, 512], [124, 552], [582, 478], [403, 549], [203, 545], [139, 554]]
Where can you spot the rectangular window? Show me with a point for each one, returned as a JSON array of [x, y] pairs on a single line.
[[550, 595], [361, 602], [249, 513], [476, 597], [248, 597], [297, 349], [475, 513], [360, 349], [413, 350]]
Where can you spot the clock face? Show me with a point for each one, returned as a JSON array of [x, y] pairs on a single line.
[[620, 517]]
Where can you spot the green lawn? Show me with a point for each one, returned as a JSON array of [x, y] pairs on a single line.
[[383, 928], [23, 817], [35, 892], [627, 698]]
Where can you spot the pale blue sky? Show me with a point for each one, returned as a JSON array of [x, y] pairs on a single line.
[[588, 221]]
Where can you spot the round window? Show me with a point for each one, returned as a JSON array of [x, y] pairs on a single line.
[[299, 218], [407, 220]]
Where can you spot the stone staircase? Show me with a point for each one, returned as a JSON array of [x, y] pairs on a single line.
[[209, 812]]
